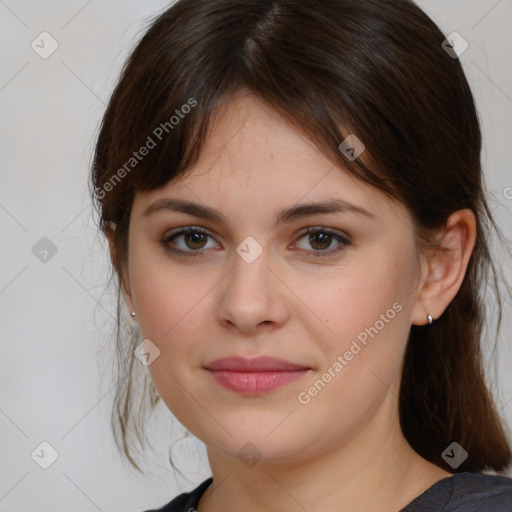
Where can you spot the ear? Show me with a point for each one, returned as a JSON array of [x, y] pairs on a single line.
[[445, 267], [125, 285]]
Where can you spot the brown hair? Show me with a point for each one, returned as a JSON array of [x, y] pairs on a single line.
[[376, 66]]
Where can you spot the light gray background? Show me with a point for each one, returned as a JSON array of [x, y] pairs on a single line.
[[56, 321]]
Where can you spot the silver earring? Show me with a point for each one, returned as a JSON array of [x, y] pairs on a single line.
[[430, 318], [133, 314]]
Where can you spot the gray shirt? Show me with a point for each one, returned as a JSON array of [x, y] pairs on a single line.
[[462, 492]]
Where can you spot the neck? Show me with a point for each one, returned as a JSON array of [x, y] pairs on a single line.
[[375, 470]]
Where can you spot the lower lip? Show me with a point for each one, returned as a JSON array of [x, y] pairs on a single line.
[[256, 383]]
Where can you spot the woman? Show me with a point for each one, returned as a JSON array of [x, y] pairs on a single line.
[[293, 199]]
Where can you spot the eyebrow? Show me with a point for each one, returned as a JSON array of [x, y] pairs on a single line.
[[280, 216]]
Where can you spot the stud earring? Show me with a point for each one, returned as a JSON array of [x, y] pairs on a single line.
[[430, 318], [133, 314]]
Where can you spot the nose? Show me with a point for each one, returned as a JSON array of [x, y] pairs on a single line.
[[252, 298]]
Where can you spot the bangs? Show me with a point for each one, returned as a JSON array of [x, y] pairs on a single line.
[[328, 84]]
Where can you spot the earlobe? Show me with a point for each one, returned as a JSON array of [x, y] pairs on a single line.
[[447, 265]]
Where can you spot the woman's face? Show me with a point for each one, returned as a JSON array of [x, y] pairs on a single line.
[[252, 282]]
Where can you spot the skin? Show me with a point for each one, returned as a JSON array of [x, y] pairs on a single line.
[[292, 304]]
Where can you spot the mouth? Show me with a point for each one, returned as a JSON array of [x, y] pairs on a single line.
[[255, 376]]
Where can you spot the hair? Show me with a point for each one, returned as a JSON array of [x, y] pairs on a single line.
[[373, 68]]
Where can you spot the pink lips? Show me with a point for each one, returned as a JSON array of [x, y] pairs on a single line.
[[254, 376]]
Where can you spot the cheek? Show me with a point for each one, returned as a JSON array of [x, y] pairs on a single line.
[[164, 294], [361, 357], [172, 314], [365, 316], [172, 311], [164, 305], [357, 297]]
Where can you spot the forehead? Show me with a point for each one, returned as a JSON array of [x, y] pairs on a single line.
[[248, 139], [254, 160]]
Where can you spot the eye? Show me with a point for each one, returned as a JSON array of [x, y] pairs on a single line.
[[322, 241], [188, 241], [192, 241]]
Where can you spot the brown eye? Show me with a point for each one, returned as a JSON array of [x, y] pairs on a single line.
[[320, 240], [195, 240], [188, 242]]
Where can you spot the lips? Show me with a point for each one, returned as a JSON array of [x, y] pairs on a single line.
[[257, 364], [255, 376]]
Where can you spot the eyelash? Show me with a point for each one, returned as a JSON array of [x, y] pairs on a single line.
[[344, 242]]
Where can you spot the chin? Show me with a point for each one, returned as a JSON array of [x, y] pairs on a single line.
[[258, 439]]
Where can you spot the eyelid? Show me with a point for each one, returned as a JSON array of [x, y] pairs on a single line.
[[187, 229], [325, 229], [166, 239]]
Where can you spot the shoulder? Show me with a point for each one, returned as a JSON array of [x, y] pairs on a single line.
[[186, 502], [466, 492]]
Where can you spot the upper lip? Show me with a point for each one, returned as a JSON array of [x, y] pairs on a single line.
[[256, 364]]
